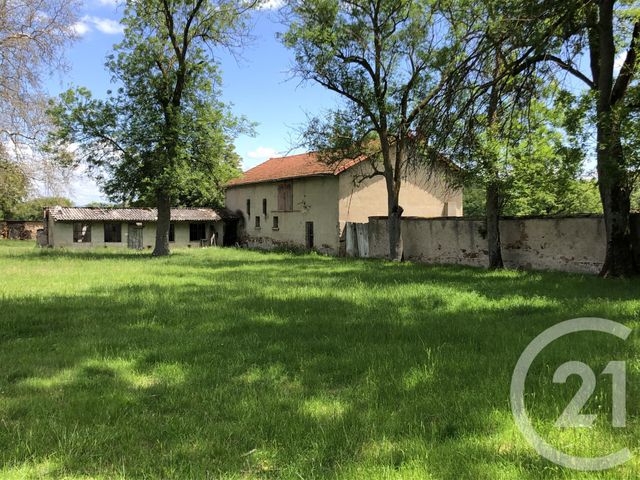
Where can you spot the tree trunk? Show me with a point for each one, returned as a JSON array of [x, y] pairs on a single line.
[[493, 199], [396, 248], [162, 226], [612, 172], [616, 202], [493, 226]]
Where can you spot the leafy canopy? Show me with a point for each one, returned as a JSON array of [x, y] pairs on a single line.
[[164, 129]]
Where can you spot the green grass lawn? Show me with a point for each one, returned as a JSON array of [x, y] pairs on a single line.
[[222, 363]]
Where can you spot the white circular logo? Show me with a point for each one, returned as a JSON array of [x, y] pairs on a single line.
[[571, 416]]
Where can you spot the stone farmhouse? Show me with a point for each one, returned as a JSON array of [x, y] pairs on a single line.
[[301, 201]]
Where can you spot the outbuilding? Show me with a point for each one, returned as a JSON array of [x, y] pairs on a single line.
[[136, 227]]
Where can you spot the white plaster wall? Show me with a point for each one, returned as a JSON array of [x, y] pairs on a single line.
[[570, 244], [315, 199]]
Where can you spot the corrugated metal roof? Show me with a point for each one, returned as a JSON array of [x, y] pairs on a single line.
[[77, 214]]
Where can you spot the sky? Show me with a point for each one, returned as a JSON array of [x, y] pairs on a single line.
[[257, 84]]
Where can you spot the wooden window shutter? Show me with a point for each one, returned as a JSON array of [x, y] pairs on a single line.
[[285, 197]]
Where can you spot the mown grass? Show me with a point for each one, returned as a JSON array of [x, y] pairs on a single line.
[[222, 363]]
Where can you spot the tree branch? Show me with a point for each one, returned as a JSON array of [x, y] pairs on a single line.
[[628, 69]]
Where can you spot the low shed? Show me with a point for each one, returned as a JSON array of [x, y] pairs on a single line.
[[136, 227]]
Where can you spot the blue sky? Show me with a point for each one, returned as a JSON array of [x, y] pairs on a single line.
[[257, 84]]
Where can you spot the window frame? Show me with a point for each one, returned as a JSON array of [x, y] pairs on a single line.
[[78, 235], [114, 231], [197, 226], [172, 232], [257, 222], [248, 207], [276, 223], [264, 207], [285, 196]]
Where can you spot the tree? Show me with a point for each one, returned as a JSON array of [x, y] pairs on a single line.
[[13, 185], [484, 126], [605, 30], [533, 38], [100, 205], [387, 61], [33, 38], [599, 31], [165, 128], [33, 209], [533, 193], [525, 163]]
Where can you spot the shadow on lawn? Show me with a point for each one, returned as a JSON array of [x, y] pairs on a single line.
[[266, 368]]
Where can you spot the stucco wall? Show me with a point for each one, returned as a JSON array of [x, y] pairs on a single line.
[[330, 202], [571, 244], [315, 199], [422, 195], [61, 235]]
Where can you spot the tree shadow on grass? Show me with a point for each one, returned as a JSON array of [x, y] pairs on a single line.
[[274, 368]]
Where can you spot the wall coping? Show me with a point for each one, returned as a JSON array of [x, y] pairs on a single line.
[[524, 217]]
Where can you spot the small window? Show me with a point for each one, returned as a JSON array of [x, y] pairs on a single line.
[[81, 233], [285, 197], [197, 232], [275, 223], [257, 222], [309, 235], [264, 207], [112, 233], [248, 207], [172, 232]]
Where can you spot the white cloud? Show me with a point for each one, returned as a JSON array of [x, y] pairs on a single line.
[[109, 3], [105, 25], [271, 4], [262, 153], [102, 24], [80, 28]]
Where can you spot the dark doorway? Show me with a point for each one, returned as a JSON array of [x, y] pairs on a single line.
[[309, 234], [230, 233]]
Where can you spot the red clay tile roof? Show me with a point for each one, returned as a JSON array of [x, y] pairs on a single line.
[[293, 166], [70, 214]]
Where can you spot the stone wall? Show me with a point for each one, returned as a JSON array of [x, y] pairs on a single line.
[[569, 244], [19, 230]]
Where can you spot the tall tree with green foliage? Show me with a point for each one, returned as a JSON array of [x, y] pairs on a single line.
[[387, 61], [531, 38], [539, 166], [164, 133], [602, 32], [607, 31]]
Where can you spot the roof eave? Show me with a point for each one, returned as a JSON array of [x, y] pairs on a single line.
[[281, 179]]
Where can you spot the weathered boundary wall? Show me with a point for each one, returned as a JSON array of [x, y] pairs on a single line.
[[19, 230], [569, 244]]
